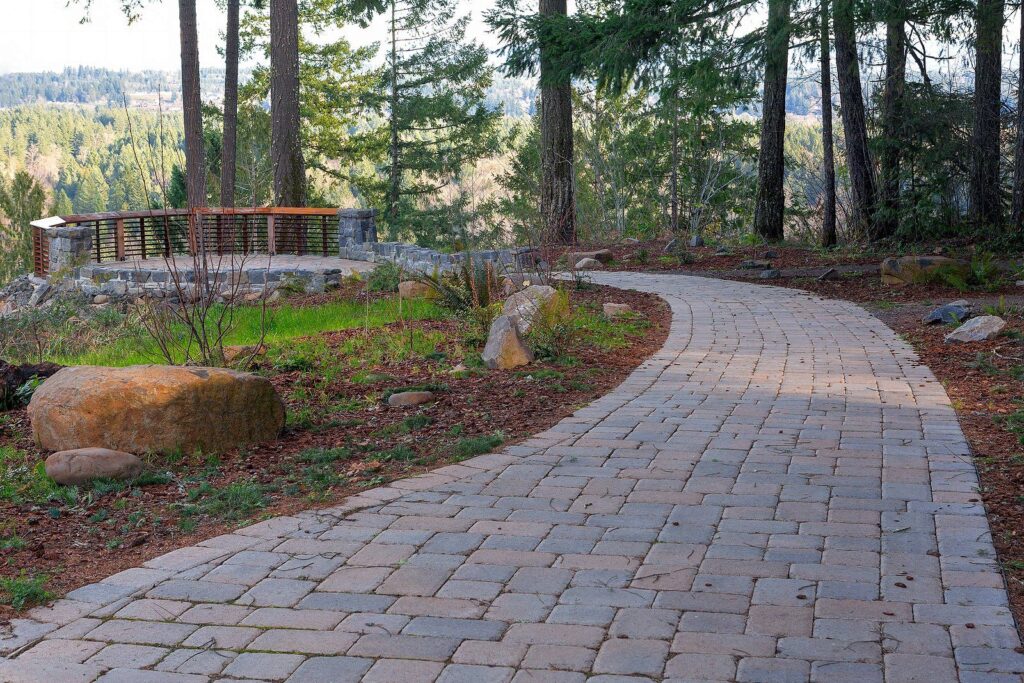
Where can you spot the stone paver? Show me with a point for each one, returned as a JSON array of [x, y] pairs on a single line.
[[782, 493]]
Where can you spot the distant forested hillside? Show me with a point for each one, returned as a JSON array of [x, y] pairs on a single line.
[[91, 85]]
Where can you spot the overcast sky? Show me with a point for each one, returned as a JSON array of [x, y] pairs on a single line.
[[45, 35]]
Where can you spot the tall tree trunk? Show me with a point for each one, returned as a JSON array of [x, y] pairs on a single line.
[[192, 103], [771, 200], [228, 146], [395, 185], [828, 225], [858, 157], [557, 191], [892, 115], [1017, 216], [285, 141], [986, 206]]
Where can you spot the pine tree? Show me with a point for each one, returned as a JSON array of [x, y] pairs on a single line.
[[986, 201], [433, 88]]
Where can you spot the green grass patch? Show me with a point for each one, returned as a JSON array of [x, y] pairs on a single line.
[[13, 542], [24, 591], [235, 502], [23, 481], [283, 324], [477, 445]]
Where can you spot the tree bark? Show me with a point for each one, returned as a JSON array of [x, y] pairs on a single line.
[[285, 140], [771, 200], [230, 141], [986, 205], [395, 184], [892, 114], [192, 104], [1017, 213], [858, 157], [557, 192], [828, 224]]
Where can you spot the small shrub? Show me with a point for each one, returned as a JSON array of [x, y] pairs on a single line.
[[553, 332], [23, 591], [1000, 308], [398, 454], [322, 456], [384, 278]]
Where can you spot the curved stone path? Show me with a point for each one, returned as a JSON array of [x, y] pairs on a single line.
[[780, 494]]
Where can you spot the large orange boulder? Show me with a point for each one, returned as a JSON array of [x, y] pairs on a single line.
[[154, 409]]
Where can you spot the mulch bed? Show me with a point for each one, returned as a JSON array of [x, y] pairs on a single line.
[[81, 544], [985, 382]]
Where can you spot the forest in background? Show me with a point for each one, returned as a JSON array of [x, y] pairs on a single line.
[[644, 118]]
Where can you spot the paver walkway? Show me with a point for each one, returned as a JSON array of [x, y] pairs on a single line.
[[780, 494]]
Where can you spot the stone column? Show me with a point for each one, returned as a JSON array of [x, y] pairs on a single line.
[[357, 226], [70, 247]]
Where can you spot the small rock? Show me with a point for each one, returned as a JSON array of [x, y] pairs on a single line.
[[830, 274], [412, 289], [101, 299], [505, 349], [722, 251], [602, 255], [406, 399], [1019, 283], [770, 274], [956, 312], [457, 369], [40, 294], [671, 246], [612, 310], [588, 264], [696, 241], [82, 465], [631, 240], [755, 264], [977, 329], [770, 254], [236, 353]]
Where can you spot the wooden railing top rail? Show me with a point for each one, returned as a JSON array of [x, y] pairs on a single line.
[[204, 211]]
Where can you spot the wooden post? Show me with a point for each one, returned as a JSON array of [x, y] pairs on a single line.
[[119, 239], [142, 236], [271, 237], [167, 238]]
